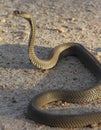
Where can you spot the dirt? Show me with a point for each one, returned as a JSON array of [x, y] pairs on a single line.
[[57, 22]]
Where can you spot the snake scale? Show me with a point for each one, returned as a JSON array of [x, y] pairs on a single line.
[[82, 96]]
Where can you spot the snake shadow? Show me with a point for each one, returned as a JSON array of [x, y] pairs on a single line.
[[97, 49], [64, 76], [16, 56]]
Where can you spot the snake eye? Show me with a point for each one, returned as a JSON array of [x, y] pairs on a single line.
[[16, 12]]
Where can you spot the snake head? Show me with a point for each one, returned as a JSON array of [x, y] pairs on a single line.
[[17, 13], [22, 14]]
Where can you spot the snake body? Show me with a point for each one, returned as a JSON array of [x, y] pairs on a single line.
[[82, 96]]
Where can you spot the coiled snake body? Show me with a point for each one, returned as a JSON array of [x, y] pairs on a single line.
[[71, 121]]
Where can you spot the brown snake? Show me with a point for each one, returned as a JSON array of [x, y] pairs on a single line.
[[82, 96]]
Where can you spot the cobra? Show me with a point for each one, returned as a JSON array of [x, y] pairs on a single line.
[[82, 96]]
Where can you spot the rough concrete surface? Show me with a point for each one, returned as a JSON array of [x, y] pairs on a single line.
[[57, 22]]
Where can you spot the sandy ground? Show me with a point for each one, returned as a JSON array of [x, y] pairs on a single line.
[[57, 22]]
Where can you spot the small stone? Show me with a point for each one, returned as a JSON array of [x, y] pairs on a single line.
[[64, 35], [74, 78], [1, 39], [21, 62], [53, 23], [99, 54], [44, 71], [92, 125], [61, 30], [5, 86], [14, 100], [3, 21], [39, 26], [74, 19], [1, 86]]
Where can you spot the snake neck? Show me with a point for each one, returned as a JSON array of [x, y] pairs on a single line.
[[32, 56], [43, 64]]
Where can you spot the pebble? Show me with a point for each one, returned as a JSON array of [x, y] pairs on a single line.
[[61, 30], [3, 86], [99, 54], [3, 21], [64, 35], [74, 19], [13, 100], [1, 39], [39, 26]]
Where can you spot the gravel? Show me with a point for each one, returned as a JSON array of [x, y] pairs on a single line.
[[57, 22]]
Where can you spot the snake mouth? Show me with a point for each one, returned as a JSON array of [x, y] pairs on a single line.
[[18, 13]]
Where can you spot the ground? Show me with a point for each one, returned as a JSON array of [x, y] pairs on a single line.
[[57, 22]]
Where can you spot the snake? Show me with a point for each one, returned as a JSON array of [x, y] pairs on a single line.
[[35, 111]]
